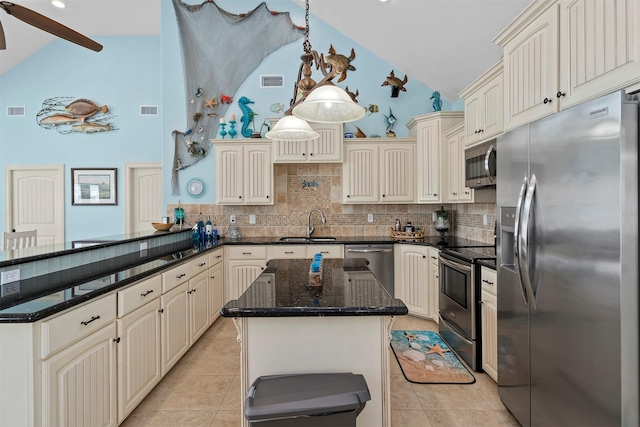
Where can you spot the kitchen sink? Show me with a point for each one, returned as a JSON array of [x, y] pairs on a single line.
[[304, 239]]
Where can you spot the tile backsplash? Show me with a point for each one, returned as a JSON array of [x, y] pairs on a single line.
[[301, 187]]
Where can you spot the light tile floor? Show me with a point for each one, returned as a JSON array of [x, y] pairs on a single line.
[[203, 390]]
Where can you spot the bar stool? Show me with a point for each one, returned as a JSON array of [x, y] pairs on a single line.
[[19, 239]]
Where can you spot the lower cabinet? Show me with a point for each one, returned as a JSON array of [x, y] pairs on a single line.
[[216, 291], [175, 326], [489, 322], [243, 265], [198, 298], [79, 383], [416, 279]]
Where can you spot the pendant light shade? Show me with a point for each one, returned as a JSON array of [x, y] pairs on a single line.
[[290, 128], [328, 104]]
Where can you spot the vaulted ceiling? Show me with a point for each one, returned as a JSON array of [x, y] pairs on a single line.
[[444, 44]]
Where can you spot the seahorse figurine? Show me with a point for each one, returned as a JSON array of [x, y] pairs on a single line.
[[437, 102], [247, 116]]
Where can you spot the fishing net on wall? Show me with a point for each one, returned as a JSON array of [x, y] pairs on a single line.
[[219, 51]]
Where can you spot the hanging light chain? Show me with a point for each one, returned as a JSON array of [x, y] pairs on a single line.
[[306, 45]]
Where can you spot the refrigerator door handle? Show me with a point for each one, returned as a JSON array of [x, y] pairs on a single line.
[[516, 238], [524, 242]]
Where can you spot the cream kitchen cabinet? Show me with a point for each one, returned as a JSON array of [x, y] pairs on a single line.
[[379, 171], [174, 309], [558, 53], [457, 192], [244, 263], [433, 297], [484, 107], [198, 299], [138, 326], [244, 173], [432, 153], [325, 149], [414, 280], [489, 310], [216, 284]]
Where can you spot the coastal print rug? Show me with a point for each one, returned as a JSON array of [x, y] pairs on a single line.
[[425, 359]]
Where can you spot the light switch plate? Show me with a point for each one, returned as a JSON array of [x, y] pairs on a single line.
[[370, 218], [252, 219]]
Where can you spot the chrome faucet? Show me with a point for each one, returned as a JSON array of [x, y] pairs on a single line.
[[310, 227]]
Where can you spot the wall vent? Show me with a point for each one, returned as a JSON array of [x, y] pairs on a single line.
[[148, 110], [15, 111], [271, 81]]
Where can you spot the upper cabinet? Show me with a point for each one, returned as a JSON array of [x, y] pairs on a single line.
[[558, 53], [244, 173], [484, 107], [432, 153], [326, 149], [379, 170], [457, 191]]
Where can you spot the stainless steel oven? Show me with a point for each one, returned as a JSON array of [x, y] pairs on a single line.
[[458, 320], [480, 165], [459, 300]]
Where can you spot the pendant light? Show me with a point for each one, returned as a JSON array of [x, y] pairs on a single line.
[[291, 128]]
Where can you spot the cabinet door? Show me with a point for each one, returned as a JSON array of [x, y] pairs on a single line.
[[465, 194], [413, 286], [599, 48], [241, 274], [290, 151], [531, 71], [198, 306], [472, 117], [490, 334], [397, 173], [229, 175], [216, 291], [327, 148], [491, 118], [433, 293], [78, 384], [453, 172], [360, 174], [175, 326], [429, 161], [139, 367], [258, 187]]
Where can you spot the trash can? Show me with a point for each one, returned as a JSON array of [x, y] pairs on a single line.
[[306, 400]]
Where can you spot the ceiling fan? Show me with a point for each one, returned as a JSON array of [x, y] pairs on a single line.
[[45, 24]]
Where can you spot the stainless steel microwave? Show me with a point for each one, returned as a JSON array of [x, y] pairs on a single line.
[[480, 165]]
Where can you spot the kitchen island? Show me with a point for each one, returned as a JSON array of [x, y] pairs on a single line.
[[286, 326]]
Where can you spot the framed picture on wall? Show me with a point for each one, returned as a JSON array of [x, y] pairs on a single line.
[[93, 186]]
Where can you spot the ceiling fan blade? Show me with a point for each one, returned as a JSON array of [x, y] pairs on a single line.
[[49, 25], [3, 43]]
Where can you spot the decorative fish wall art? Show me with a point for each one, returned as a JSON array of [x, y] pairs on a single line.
[[67, 114]]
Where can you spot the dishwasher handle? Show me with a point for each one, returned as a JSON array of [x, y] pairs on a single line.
[[367, 251]]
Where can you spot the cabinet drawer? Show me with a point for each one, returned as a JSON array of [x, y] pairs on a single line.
[[247, 252], [138, 295], [287, 251], [216, 257], [175, 276], [199, 265], [489, 279], [63, 330], [327, 251]]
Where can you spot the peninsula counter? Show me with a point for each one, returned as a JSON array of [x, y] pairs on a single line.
[[286, 326]]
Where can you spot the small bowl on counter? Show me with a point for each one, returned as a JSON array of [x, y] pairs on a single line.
[[161, 226]]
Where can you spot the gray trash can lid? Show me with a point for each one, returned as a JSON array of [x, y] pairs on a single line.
[[288, 396]]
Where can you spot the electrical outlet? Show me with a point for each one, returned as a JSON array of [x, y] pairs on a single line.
[[370, 218], [484, 219], [252, 219], [232, 219], [10, 289], [433, 217], [10, 276], [143, 246]]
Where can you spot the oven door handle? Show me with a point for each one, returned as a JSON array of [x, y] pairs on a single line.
[[516, 238], [455, 265]]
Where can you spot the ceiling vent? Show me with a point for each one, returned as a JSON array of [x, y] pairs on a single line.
[[15, 111], [271, 81], [148, 110]]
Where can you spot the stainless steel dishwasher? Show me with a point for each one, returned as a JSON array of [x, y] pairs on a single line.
[[380, 259]]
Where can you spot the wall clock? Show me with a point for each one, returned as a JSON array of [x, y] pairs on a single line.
[[195, 187]]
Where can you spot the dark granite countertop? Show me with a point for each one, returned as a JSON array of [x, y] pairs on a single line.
[[282, 289], [490, 263]]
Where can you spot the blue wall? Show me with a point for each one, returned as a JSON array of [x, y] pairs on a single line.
[[135, 71]]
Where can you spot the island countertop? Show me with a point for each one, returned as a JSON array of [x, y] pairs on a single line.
[[348, 288]]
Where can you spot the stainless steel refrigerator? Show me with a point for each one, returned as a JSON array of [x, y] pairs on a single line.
[[567, 247]]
